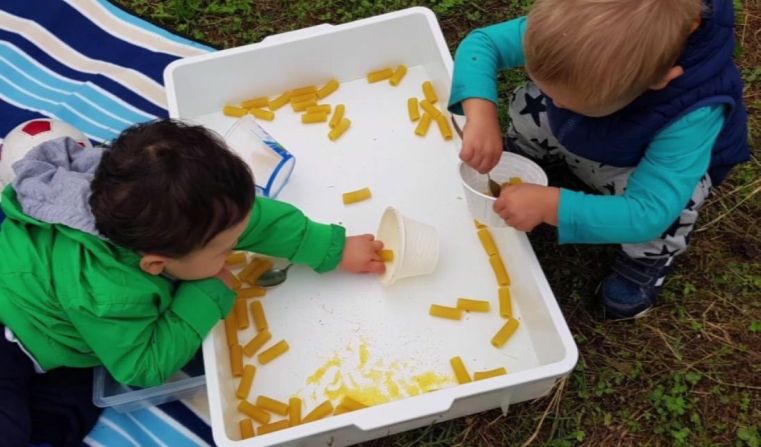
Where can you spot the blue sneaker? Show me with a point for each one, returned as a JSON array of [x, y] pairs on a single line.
[[631, 290]]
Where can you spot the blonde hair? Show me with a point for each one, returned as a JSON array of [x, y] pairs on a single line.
[[607, 50]]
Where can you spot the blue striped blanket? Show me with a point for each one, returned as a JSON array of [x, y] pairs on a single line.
[[99, 68]]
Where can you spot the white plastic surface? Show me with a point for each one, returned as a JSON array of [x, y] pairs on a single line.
[[330, 320], [415, 246], [476, 188]]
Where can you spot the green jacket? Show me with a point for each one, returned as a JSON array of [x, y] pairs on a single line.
[[76, 300]]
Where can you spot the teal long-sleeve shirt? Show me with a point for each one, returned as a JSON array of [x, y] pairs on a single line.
[[658, 188]]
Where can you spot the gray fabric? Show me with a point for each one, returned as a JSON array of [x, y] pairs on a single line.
[[53, 183]]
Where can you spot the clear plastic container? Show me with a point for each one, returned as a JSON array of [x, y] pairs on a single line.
[[108, 393]]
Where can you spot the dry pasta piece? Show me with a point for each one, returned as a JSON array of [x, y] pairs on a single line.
[[262, 114], [413, 109], [351, 404], [481, 375], [473, 305], [246, 428], [253, 412], [236, 360], [251, 292], [505, 302], [248, 269], [423, 125], [459, 370], [274, 352], [341, 410], [503, 279], [260, 320], [321, 108], [231, 329], [515, 181], [304, 90], [451, 313], [256, 343], [244, 387], [256, 102], [294, 411], [236, 282], [444, 128], [357, 196], [387, 255], [430, 92], [302, 106], [380, 75], [340, 129], [327, 89], [274, 426], [234, 111], [312, 96], [253, 275], [502, 335], [322, 410], [487, 241], [398, 75], [280, 101], [312, 118], [428, 107], [272, 405], [479, 225], [338, 115], [236, 258], [241, 314]]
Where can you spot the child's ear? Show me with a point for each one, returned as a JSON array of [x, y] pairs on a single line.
[[153, 264], [672, 74]]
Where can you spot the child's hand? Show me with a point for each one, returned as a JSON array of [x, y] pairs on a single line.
[[525, 206], [226, 276], [362, 255], [481, 136]]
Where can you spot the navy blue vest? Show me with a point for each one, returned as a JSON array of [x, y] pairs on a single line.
[[710, 78]]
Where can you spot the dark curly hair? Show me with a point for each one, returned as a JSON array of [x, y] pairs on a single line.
[[168, 188]]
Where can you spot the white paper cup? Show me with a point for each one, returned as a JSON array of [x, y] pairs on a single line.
[[415, 246], [476, 187]]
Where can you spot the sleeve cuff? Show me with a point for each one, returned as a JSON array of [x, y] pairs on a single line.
[[203, 303], [322, 246], [566, 219]]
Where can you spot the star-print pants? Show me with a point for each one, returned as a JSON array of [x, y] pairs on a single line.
[[530, 134]]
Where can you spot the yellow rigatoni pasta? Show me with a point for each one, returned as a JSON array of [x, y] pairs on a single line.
[[246, 428], [274, 352], [241, 314], [262, 114], [312, 96], [304, 90], [321, 108], [231, 329], [502, 335], [459, 370], [451, 313], [260, 320], [322, 410], [505, 302], [236, 258], [356, 196], [235, 282], [248, 269], [430, 108], [473, 305], [413, 109], [380, 75], [481, 375], [338, 115], [503, 279], [429, 92], [340, 129], [327, 89], [274, 426], [398, 75], [272, 405], [244, 387], [387, 255], [487, 241], [312, 118], [424, 125], [253, 412], [256, 103], [280, 101], [236, 360], [341, 410], [251, 292], [256, 343], [351, 404], [479, 225], [302, 106], [234, 111], [294, 411], [515, 181], [253, 274], [444, 128]]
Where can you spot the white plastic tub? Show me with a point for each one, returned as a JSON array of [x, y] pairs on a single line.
[[350, 324]]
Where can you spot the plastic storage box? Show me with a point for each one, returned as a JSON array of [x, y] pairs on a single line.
[[349, 332]]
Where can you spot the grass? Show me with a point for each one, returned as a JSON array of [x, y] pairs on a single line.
[[688, 374]]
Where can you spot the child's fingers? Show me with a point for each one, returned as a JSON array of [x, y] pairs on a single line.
[[376, 267], [377, 246]]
